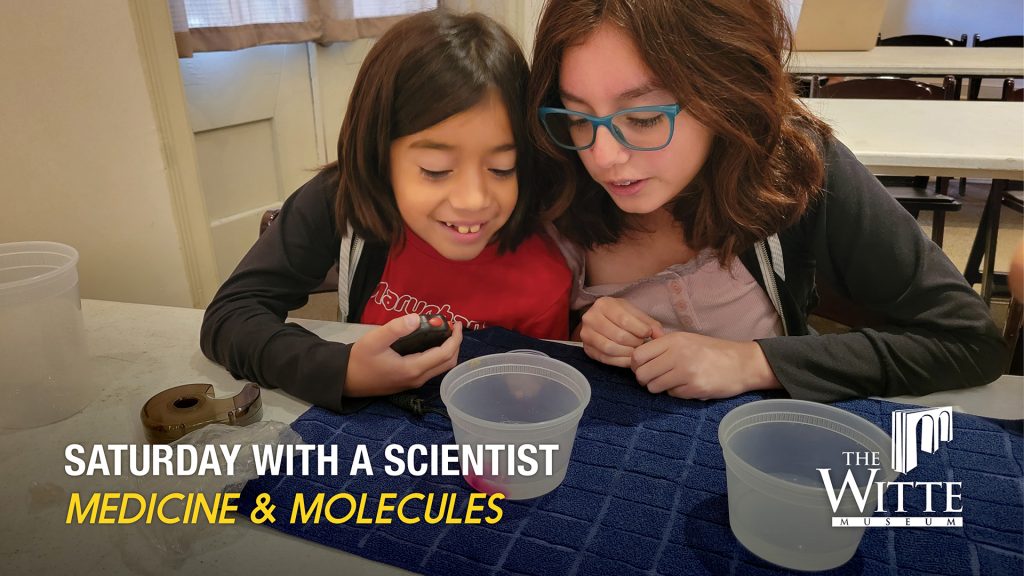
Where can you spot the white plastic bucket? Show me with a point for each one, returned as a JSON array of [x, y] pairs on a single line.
[[44, 374], [779, 508], [516, 398]]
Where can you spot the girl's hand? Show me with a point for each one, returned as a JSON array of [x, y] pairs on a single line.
[[700, 367], [374, 369], [612, 328]]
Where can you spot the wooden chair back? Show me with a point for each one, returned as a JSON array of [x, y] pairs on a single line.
[[922, 40]]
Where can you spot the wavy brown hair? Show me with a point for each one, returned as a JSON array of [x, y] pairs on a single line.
[[423, 70], [724, 62]]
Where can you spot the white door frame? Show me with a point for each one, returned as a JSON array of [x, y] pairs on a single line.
[[155, 36]]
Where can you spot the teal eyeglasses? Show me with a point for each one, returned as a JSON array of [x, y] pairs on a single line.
[[642, 128]]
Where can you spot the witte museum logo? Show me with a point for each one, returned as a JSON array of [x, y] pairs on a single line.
[[860, 492]]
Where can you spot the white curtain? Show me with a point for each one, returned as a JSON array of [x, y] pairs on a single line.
[[212, 25]]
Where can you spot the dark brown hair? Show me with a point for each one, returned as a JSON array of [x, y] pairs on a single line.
[[724, 61], [424, 69]]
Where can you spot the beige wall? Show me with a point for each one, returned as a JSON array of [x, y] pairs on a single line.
[[80, 151], [951, 18]]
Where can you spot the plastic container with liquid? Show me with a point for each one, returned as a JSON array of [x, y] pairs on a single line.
[[778, 505], [45, 370], [516, 398]]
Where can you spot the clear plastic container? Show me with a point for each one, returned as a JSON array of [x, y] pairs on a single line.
[[516, 398], [45, 375], [778, 505]]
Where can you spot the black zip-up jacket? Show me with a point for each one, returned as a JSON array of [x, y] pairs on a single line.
[[244, 327], [936, 332]]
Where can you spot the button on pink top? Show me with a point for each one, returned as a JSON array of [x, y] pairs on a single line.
[[699, 296]]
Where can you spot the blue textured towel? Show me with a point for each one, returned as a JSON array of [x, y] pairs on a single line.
[[645, 491]]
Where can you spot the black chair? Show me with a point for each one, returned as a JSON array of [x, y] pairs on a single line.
[[930, 40], [1006, 193], [922, 40], [912, 193], [926, 40], [998, 42], [802, 84], [974, 86], [1012, 335]]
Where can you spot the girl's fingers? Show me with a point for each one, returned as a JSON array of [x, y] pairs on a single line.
[[601, 343], [628, 318], [654, 374], [434, 361], [597, 322], [620, 361], [682, 391], [384, 336], [648, 351]]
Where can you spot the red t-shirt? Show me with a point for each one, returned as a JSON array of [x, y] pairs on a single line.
[[526, 290]]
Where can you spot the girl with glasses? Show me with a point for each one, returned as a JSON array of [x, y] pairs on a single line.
[[704, 210], [430, 208]]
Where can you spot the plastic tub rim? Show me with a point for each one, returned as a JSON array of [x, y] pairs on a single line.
[[754, 476], [38, 246], [448, 388]]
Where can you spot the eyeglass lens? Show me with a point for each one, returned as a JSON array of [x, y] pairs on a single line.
[[639, 129]]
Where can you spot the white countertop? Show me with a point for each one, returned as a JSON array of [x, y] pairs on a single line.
[[929, 137], [138, 350], [912, 61]]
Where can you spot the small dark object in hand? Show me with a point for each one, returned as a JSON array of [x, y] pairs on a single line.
[[433, 330]]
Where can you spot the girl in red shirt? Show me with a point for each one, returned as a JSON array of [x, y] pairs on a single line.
[[430, 208]]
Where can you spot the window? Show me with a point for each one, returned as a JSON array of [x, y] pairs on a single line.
[[213, 25]]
